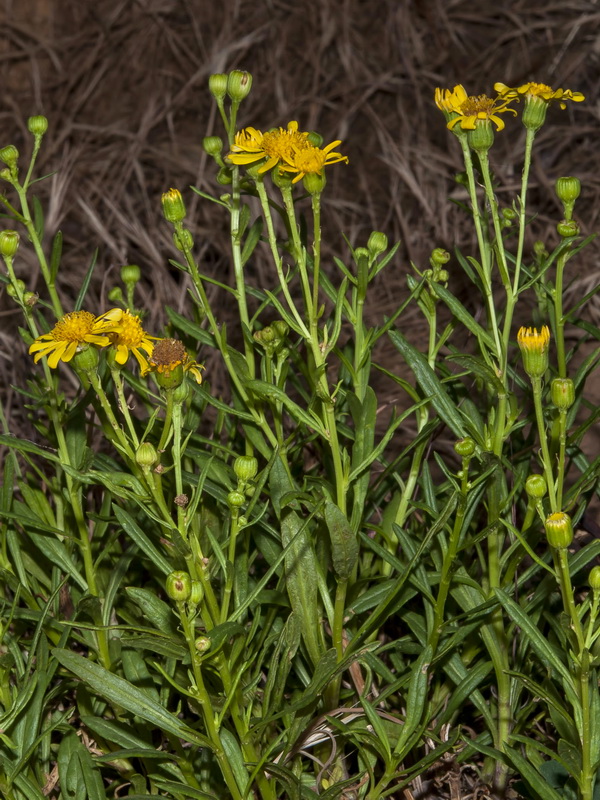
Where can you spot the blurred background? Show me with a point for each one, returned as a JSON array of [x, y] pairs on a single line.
[[124, 86]]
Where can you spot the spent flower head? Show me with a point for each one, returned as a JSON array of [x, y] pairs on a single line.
[[71, 334], [169, 360]]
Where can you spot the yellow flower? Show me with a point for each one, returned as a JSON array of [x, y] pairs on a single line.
[[127, 334], [467, 110], [250, 146], [540, 90], [167, 356], [70, 335], [311, 160], [534, 348]]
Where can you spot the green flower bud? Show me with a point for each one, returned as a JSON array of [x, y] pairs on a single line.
[[536, 487], [130, 274], [281, 328], [443, 276], [568, 190], [360, 252], [183, 239], [315, 139], [6, 175], [30, 298], [181, 393], [37, 125], [534, 348], [239, 84], [314, 183], [173, 206], [13, 290], [439, 257], [213, 145], [464, 447], [377, 244], [539, 249], [9, 155], [565, 229], [217, 85], [534, 113], [197, 593], [563, 393], [482, 138], [235, 500], [245, 468], [115, 295], [178, 586], [9, 243], [594, 579], [146, 456], [86, 359], [559, 530], [509, 214], [224, 176], [202, 644]]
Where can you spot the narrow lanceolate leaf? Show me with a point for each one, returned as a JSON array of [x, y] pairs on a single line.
[[544, 650], [301, 580], [417, 697], [344, 544], [136, 701], [429, 383]]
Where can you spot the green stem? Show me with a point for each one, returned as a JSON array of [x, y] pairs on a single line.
[[558, 315], [236, 250], [547, 463]]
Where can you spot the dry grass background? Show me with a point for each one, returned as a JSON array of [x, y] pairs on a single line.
[[124, 85]]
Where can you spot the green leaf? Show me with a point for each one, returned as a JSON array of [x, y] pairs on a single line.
[[461, 314], [55, 255], [190, 328], [531, 776], [415, 702], [133, 530], [430, 384], [38, 218], [301, 580], [154, 609], [344, 544], [79, 779], [252, 239], [86, 282], [274, 394], [117, 690], [545, 651]]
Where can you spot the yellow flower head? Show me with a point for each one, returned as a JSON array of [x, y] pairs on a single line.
[[70, 335], [168, 355], [126, 333], [534, 348], [538, 90], [311, 160], [250, 146], [468, 110]]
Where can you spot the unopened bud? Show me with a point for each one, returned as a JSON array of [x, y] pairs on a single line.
[[130, 274], [30, 298], [567, 228], [37, 125], [13, 290], [464, 447], [224, 176], [197, 593], [559, 530], [178, 586], [377, 244], [536, 487], [9, 243], [439, 257], [239, 84], [183, 240], [567, 191], [146, 456], [594, 579], [235, 499], [173, 206], [245, 468], [562, 391], [202, 644], [9, 155], [213, 145], [217, 85]]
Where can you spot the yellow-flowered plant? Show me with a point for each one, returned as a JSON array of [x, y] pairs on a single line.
[[73, 332]]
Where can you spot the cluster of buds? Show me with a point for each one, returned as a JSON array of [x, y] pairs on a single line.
[[245, 469], [182, 589], [272, 338], [236, 85]]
